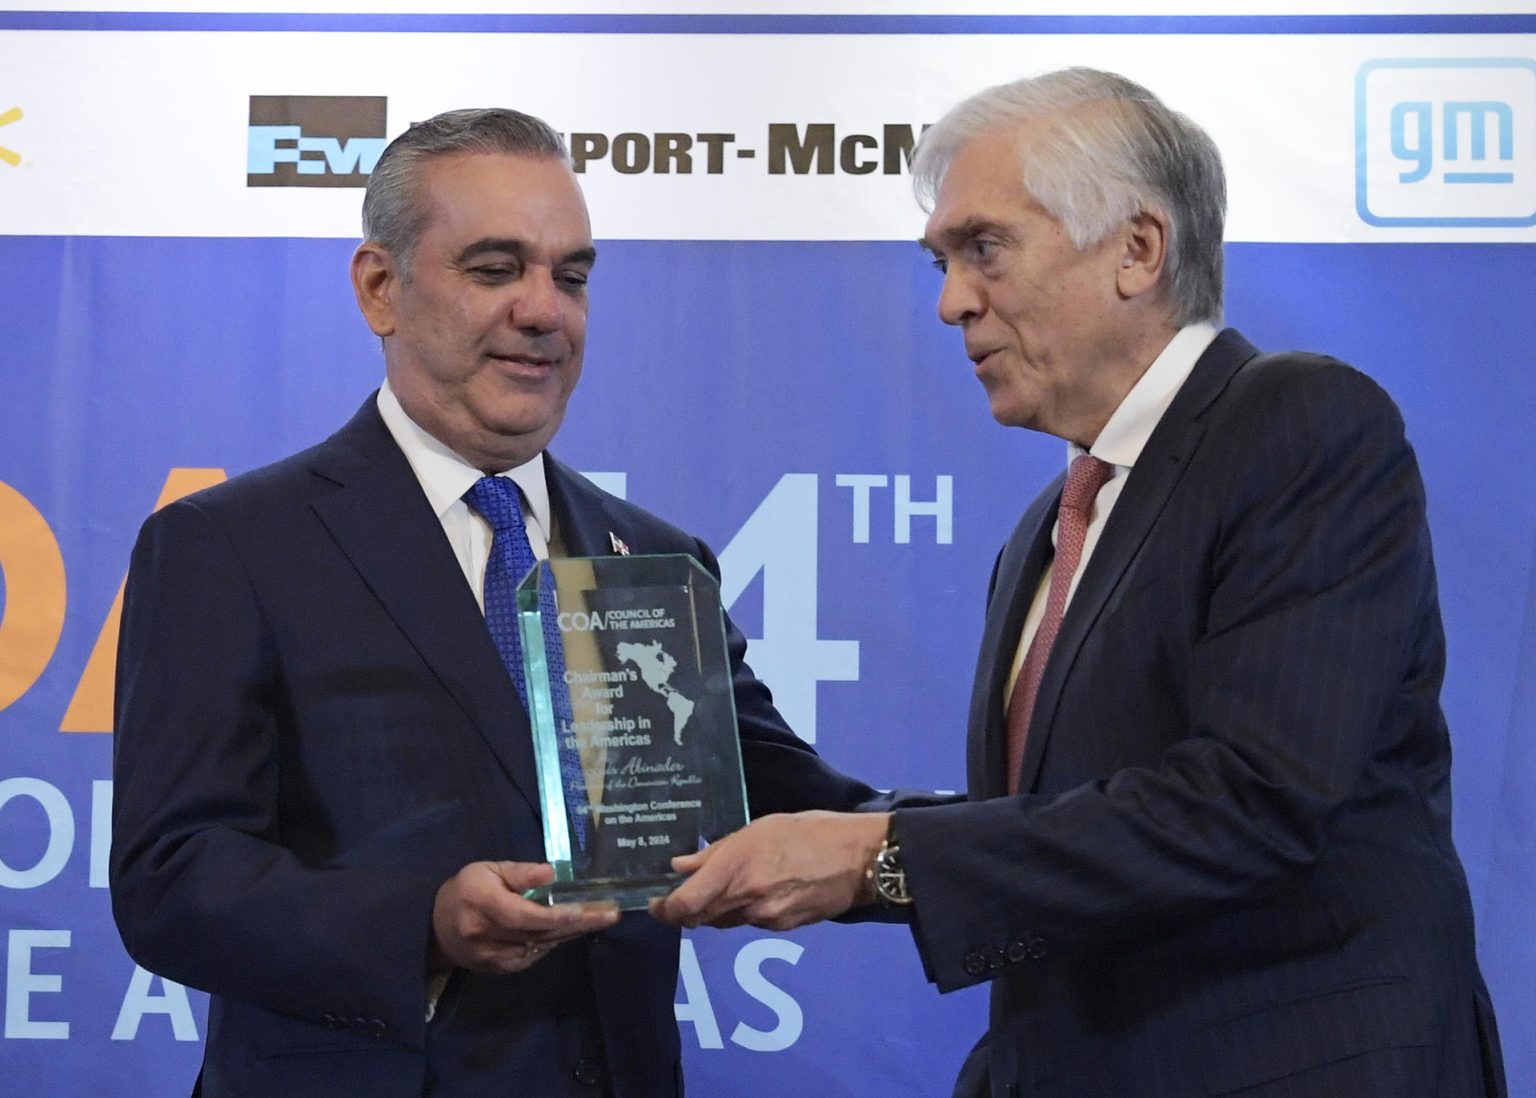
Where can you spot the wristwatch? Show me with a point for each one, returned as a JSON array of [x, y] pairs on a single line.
[[888, 877]]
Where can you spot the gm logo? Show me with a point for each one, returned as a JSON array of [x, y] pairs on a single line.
[[1448, 142], [6, 118], [314, 140]]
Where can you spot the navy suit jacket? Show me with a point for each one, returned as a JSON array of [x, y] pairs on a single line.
[[314, 731], [1231, 870]]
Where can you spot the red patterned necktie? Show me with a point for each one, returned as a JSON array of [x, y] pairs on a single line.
[[1084, 480]]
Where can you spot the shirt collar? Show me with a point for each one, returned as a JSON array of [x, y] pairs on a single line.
[[1126, 434], [445, 476]]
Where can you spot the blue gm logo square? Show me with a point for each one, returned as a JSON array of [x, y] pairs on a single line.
[[1446, 142]]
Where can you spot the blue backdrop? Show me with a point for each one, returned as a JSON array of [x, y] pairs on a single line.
[[714, 370]]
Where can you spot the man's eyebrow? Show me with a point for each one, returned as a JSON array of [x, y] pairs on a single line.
[[506, 245], [960, 232]]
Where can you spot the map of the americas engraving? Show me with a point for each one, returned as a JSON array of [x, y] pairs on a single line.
[[656, 665]]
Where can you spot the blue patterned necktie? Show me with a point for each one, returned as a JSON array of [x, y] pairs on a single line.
[[499, 501]]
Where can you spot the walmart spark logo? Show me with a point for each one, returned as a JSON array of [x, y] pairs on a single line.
[[12, 115]]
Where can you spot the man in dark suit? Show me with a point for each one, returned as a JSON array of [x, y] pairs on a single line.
[[326, 808], [1207, 844]]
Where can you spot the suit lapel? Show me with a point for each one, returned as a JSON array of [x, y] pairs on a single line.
[[1151, 481], [382, 521], [1019, 566], [587, 526]]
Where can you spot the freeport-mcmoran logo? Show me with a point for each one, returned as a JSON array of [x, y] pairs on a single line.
[[10, 156], [314, 140], [1446, 142]]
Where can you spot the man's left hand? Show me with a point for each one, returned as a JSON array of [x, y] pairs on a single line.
[[778, 872]]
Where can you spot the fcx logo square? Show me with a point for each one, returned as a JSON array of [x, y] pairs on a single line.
[[1446, 142], [314, 140]]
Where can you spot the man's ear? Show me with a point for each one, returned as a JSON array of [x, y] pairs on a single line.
[[1145, 250], [375, 281]]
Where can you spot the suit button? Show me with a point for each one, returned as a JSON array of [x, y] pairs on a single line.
[[588, 1072], [975, 963], [1035, 948], [1018, 949], [377, 1028]]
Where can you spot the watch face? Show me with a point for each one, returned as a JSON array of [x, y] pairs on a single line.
[[890, 878]]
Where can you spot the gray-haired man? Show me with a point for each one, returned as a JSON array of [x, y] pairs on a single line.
[[1207, 848]]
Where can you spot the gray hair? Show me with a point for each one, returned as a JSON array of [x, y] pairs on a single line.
[[392, 218], [1093, 170]]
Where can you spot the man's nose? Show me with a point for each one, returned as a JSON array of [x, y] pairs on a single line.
[[959, 301], [538, 306]]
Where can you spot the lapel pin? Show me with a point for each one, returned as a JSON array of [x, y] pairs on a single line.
[[618, 544]]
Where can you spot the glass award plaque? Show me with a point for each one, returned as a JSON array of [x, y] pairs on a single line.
[[634, 721]]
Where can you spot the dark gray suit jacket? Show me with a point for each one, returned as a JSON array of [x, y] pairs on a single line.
[[314, 731], [1232, 870]]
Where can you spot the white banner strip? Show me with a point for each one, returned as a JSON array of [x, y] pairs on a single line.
[[1327, 138]]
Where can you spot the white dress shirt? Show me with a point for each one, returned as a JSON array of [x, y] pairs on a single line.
[[1120, 443], [445, 477]]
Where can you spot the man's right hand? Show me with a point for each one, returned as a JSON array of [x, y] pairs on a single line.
[[778, 872], [481, 921]]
